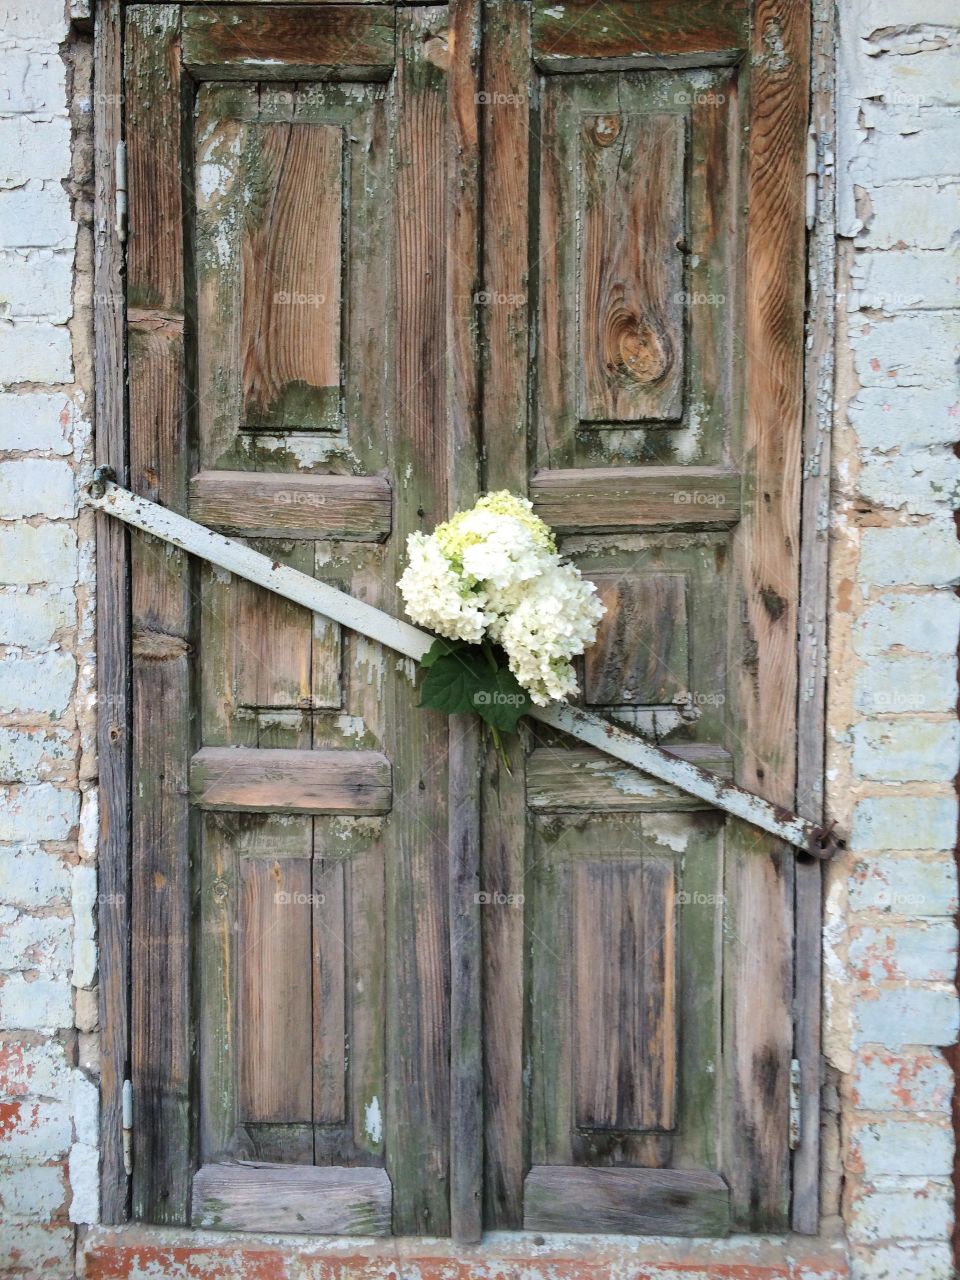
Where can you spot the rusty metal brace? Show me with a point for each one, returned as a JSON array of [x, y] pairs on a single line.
[[106, 495]]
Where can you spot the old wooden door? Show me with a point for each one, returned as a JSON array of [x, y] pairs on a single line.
[[333, 340]]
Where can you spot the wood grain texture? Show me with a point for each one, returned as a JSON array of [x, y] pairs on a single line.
[[161, 1032], [243, 779], [576, 36], [624, 1024], [610, 498], [763, 630], [631, 238], [275, 1015], [506, 266], [329, 992], [113, 609], [275, 505], [305, 1200], [813, 614], [463, 277], [641, 653], [582, 778], [289, 42], [291, 280], [670, 1202]]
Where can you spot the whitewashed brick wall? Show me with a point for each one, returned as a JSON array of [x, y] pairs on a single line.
[[48, 1102], [893, 653]]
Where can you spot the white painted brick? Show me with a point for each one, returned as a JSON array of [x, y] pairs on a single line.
[[917, 481], [37, 1131], [34, 1192], [38, 553], [908, 1209], [33, 619], [37, 421], [925, 555], [886, 417], [906, 684], [33, 878], [36, 282], [86, 1109], [40, 21], [84, 900], [35, 1069], [34, 148], [896, 1016], [32, 81], [34, 754], [37, 683], [34, 352], [903, 1262], [915, 1148], [38, 944], [37, 487], [45, 1004], [904, 822], [906, 750], [86, 1008], [927, 622], [923, 951], [37, 813], [36, 217], [917, 75], [912, 215], [84, 1184], [904, 280], [46, 1250], [914, 350], [887, 1081], [896, 150]]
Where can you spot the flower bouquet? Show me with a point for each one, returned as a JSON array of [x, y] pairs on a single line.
[[508, 611]]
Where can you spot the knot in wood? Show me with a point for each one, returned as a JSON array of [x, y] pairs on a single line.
[[604, 130], [637, 349]]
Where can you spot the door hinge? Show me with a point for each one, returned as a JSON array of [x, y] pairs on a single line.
[[794, 1104], [812, 176], [126, 1121], [120, 181]]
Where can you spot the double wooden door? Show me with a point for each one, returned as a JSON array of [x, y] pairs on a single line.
[[381, 258]]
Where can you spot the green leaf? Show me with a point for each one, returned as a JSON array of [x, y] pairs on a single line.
[[440, 648], [452, 681], [501, 700]]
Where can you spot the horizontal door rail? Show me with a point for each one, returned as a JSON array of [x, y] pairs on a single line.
[[106, 495]]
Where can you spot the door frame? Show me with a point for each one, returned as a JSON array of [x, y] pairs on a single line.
[[114, 640]]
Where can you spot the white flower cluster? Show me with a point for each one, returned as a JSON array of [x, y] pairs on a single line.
[[493, 572]]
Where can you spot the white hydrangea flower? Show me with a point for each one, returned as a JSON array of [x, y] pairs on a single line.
[[494, 572]]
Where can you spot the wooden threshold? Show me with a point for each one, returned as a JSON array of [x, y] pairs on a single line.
[[251, 780], [666, 1202], [258, 505], [306, 1199]]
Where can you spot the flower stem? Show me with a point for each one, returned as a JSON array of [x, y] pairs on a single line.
[[501, 749]]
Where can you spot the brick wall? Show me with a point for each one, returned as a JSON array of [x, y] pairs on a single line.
[[894, 752], [48, 1102]]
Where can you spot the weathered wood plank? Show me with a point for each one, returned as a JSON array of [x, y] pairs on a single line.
[[273, 505], [295, 1198], [624, 1028], [576, 36], [763, 622], [275, 1042], [506, 74], [602, 498], [631, 237], [583, 778], [670, 1202], [246, 779], [641, 654], [281, 42], [161, 1032], [113, 609], [329, 992], [814, 611]]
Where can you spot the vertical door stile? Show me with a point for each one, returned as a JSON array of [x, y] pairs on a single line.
[[463, 269]]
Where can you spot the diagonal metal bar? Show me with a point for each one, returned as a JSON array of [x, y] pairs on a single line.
[[235, 556]]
